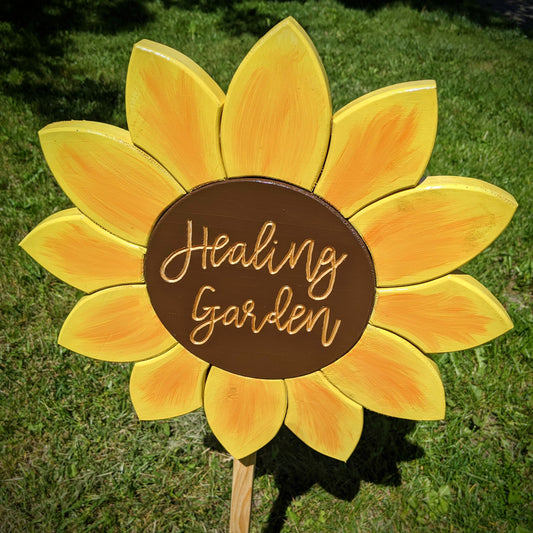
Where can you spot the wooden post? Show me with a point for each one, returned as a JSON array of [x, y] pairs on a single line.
[[241, 494]]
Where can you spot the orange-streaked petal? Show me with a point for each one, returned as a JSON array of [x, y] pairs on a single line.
[[428, 231], [387, 374], [173, 109], [169, 385], [114, 183], [380, 143], [244, 413], [82, 254], [277, 117], [117, 324], [322, 416], [451, 313]]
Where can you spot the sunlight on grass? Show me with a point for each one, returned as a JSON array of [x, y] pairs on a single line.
[[74, 456]]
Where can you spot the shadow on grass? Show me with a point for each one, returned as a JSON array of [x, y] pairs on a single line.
[[34, 38], [296, 467], [485, 13], [238, 17]]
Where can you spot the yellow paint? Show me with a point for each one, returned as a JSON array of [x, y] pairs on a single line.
[[173, 109], [428, 231], [82, 254], [387, 374], [110, 180], [169, 385], [447, 314], [116, 324], [276, 123], [322, 416], [276, 120], [380, 143], [244, 413]]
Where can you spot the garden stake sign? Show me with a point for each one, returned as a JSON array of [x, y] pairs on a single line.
[[259, 258]]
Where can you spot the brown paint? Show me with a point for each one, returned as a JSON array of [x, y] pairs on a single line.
[[225, 277]]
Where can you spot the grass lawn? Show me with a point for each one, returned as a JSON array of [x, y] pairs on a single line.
[[73, 455]]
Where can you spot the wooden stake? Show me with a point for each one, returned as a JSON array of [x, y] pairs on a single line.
[[241, 494]]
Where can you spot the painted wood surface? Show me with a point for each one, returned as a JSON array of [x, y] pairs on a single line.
[[277, 115], [380, 143], [388, 375], [451, 313], [425, 232], [84, 255], [294, 285], [169, 385], [116, 324], [108, 178], [173, 109], [314, 403], [363, 165], [244, 413]]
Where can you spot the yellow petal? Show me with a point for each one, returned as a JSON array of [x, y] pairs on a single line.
[[276, 120], [116, 324], [428, 231], [450, 313], [387, 374], [114, 183], [173, 109], [244, 413], [322, 416], [380, 143], [82, 254], [169, 385]]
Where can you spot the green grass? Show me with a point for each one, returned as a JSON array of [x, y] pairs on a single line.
[[74, 457]]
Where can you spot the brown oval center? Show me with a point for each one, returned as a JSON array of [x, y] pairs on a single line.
[[259, 278]]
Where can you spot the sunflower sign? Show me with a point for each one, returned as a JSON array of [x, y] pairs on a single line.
[[260, 258]]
